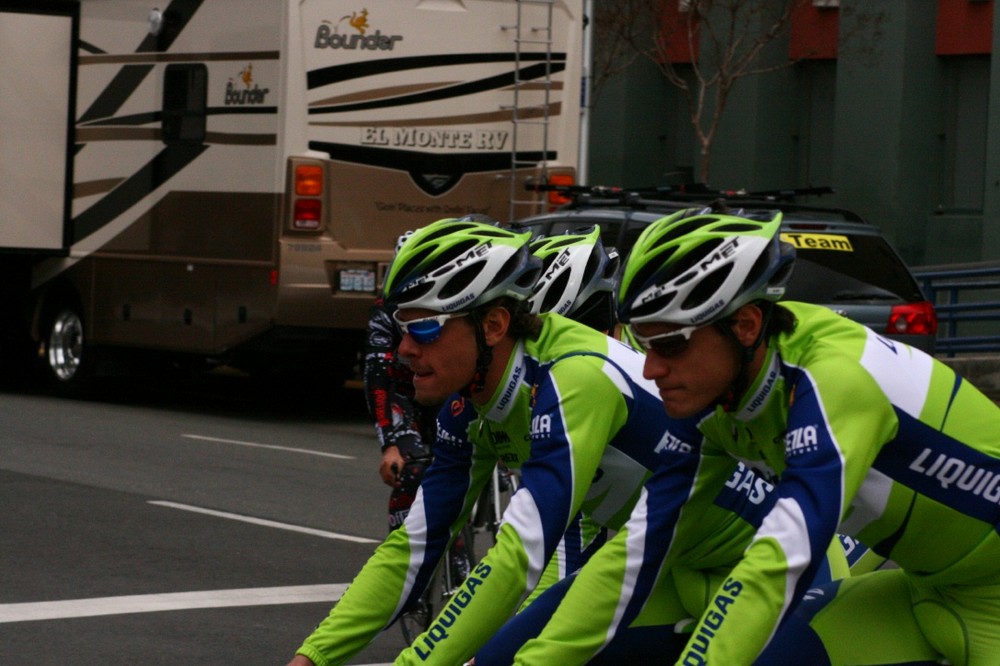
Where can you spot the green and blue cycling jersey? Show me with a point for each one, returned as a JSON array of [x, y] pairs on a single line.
[[855, 431], [582, 427], [575, 416]]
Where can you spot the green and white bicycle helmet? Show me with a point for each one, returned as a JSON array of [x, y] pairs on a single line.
[[457, 265], [694, 268], [577, 279]]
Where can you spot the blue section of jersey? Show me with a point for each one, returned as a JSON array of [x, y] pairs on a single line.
[[747, 494], [943, 469], [814, 476], [546, 473]]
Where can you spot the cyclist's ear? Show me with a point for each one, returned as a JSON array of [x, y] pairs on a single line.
[[496, 323], [746, 323]]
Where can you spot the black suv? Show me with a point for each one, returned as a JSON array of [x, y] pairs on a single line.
[[843, 262]]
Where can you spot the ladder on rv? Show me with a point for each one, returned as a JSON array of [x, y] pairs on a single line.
[[530, 39]]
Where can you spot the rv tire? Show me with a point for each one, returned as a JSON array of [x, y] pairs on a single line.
[[66, 358]]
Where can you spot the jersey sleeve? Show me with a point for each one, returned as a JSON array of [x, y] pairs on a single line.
[[837, 414], [568, 437], [612, 587], [402, 566]]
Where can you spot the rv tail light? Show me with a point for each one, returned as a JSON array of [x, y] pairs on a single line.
[[308, 214], [557, 198], [913, 319], [308, 180]]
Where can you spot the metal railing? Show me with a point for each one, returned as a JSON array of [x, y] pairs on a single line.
[[967, 301]]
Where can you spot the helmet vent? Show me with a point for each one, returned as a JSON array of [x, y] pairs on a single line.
[[692, 259], [419, 290], [555, 291], [653, 306], [453, 253], [593, 263], [413, 263], [759, 268], [460, 281], [707, 288], [736, 228], [512, 267], [493, 233], [684, 228]]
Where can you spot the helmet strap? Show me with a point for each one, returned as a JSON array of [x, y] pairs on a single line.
[[732, 396], [483, 361]]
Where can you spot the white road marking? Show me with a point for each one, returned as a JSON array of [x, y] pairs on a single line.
[[156, 603], [264, 522], [269, 446]]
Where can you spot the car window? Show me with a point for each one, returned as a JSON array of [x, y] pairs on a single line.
[[631, 234], [836, 267]]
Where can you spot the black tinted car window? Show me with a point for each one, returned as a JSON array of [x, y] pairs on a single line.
[[858, 267]]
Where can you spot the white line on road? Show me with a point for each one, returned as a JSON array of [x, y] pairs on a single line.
[[269, 446], [264, 522], [155, 603]]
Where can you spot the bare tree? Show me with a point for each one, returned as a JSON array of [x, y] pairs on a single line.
[[702, 47]]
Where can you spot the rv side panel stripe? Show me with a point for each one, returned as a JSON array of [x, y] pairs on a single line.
[[416, 162], [154, 117], [162, 167], [460, 90], [120, 89], [146, 58], [318, 78], [128, 79]]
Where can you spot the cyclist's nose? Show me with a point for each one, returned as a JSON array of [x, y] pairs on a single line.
[[655, 366], [408, 347]]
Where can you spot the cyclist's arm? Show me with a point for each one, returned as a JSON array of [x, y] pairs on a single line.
[[832, 438], [611, 588], [388, 391], [402, 566], [568, 439], [581, 539]]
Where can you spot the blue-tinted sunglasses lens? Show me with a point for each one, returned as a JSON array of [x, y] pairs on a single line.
[[425, 331]]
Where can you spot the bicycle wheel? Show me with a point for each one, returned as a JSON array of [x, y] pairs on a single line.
[[461, 560], [492, 503], [416, 621]]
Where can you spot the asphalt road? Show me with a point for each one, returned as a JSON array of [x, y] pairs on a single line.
[[182, 522]]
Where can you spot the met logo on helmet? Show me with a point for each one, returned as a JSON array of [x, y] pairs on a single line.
[[724, 252], [557, 265], [657, 291], [477, 252]]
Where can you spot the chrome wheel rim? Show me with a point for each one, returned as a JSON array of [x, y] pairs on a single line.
[[65, 351]]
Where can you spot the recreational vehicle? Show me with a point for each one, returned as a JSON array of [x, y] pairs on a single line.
[[224, 180]]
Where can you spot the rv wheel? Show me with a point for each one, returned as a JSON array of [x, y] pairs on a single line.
[[66, 357]]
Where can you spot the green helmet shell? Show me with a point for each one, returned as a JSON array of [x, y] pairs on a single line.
[[694, 268], [455, 265]]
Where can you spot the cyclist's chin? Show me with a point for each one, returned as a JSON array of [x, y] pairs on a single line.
[[680, 405], [428, 399], [429, 392]]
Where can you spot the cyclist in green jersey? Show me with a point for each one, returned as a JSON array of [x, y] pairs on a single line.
[[516, 387], [855, 431], [725, 527]]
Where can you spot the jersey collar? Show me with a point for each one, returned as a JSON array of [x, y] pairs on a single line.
[[502, 402], [759, 395]]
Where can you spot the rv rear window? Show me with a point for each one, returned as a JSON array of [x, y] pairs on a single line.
[[185, 94]]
